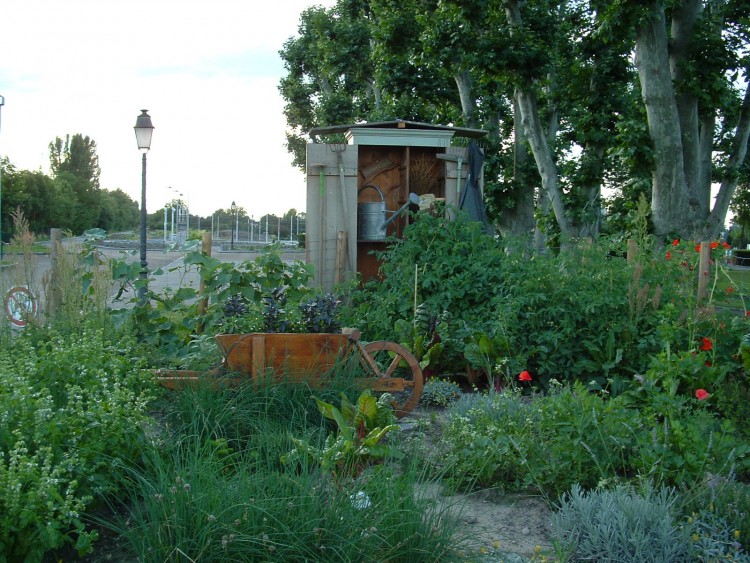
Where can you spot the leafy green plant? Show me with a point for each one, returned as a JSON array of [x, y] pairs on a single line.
[[726, 501], [358, 442], [619, 525], [422, 337], [74, 406], [440, 392]]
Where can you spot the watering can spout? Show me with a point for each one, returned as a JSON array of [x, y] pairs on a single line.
[[413, 200]]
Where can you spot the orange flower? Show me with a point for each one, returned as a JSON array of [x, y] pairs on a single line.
[[706, 344], [524, 376], [726, 245], [714, 244], [730, 290], [676, 242], [701, 394]]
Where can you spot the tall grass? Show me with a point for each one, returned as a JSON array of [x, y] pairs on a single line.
[[214, 489]]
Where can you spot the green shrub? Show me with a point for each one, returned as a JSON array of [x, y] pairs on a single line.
[[572, 435], [548, 442], [440, 392], [619, 525], [722, 499], [712, 537], [72, 408]]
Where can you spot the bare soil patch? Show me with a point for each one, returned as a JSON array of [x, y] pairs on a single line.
[[495, 522]]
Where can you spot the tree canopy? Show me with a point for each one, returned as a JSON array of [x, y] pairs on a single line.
[[582, 98]]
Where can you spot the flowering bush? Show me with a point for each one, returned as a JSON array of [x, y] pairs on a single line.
[[73, 406]]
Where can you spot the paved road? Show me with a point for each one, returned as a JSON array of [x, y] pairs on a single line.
[[34, 271]]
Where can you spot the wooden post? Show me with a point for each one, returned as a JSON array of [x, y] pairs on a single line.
[[341, 243], [206, 243], [54, 299], [704, 270]]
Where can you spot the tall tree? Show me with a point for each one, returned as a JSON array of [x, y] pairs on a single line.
[[76, 155], [75, 165], [689, 55]]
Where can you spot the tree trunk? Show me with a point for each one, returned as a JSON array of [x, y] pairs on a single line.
[[731, 174], [669, 191], [519, 221], [468, 103], [534, 131]]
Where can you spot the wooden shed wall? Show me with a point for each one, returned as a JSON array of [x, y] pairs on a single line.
[[331, 237]]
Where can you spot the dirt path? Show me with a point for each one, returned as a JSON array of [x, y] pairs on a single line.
[[495, 523]]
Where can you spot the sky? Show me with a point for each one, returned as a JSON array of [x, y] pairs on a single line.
[[207, 71]]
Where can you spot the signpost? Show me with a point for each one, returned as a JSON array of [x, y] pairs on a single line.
[[20, 306]]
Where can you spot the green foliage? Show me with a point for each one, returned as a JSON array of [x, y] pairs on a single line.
[[169, 322], [422, 337], [724, 501], [73, 409], [571, 435], [585, 315], [201, 497], [713, 539], [440, 392], [451, 265], [619, 525], [359, 438]]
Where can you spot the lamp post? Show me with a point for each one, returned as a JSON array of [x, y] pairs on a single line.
[[2, 103], [234, 208], [143, 131]]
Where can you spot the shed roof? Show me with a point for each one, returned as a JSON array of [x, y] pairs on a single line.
[[396, 124]]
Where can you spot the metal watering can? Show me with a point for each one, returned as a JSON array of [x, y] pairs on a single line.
[[372, 219]]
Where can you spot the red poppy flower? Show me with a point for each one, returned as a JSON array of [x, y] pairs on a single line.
[[726, 245], [706, 344], [676, 242], [714, 244], [668, 255], [709, 364], [524, 376], [730, 290], [701, 394], [698, 247]]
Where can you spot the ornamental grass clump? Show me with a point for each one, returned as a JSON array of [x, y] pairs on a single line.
[[217, 491]]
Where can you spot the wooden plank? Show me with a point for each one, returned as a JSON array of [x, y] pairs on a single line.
[[258, 361]]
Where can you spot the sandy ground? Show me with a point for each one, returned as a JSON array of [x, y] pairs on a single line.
[[496, 524]]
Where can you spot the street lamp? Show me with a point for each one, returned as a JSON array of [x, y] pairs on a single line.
[[143, 131], [2, 103], [234, 208]]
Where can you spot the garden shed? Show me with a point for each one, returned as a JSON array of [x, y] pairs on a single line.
[[355, 188]]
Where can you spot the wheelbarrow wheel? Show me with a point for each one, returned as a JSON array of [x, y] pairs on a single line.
[[397, 372]]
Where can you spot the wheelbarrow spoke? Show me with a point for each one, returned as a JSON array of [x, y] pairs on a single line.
[[390, 361]]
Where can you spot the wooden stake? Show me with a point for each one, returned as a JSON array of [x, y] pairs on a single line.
[[203, 302], [704, 270], [341, 243], [54, 301]]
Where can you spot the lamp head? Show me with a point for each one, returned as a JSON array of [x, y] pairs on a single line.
[[143, 130]]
